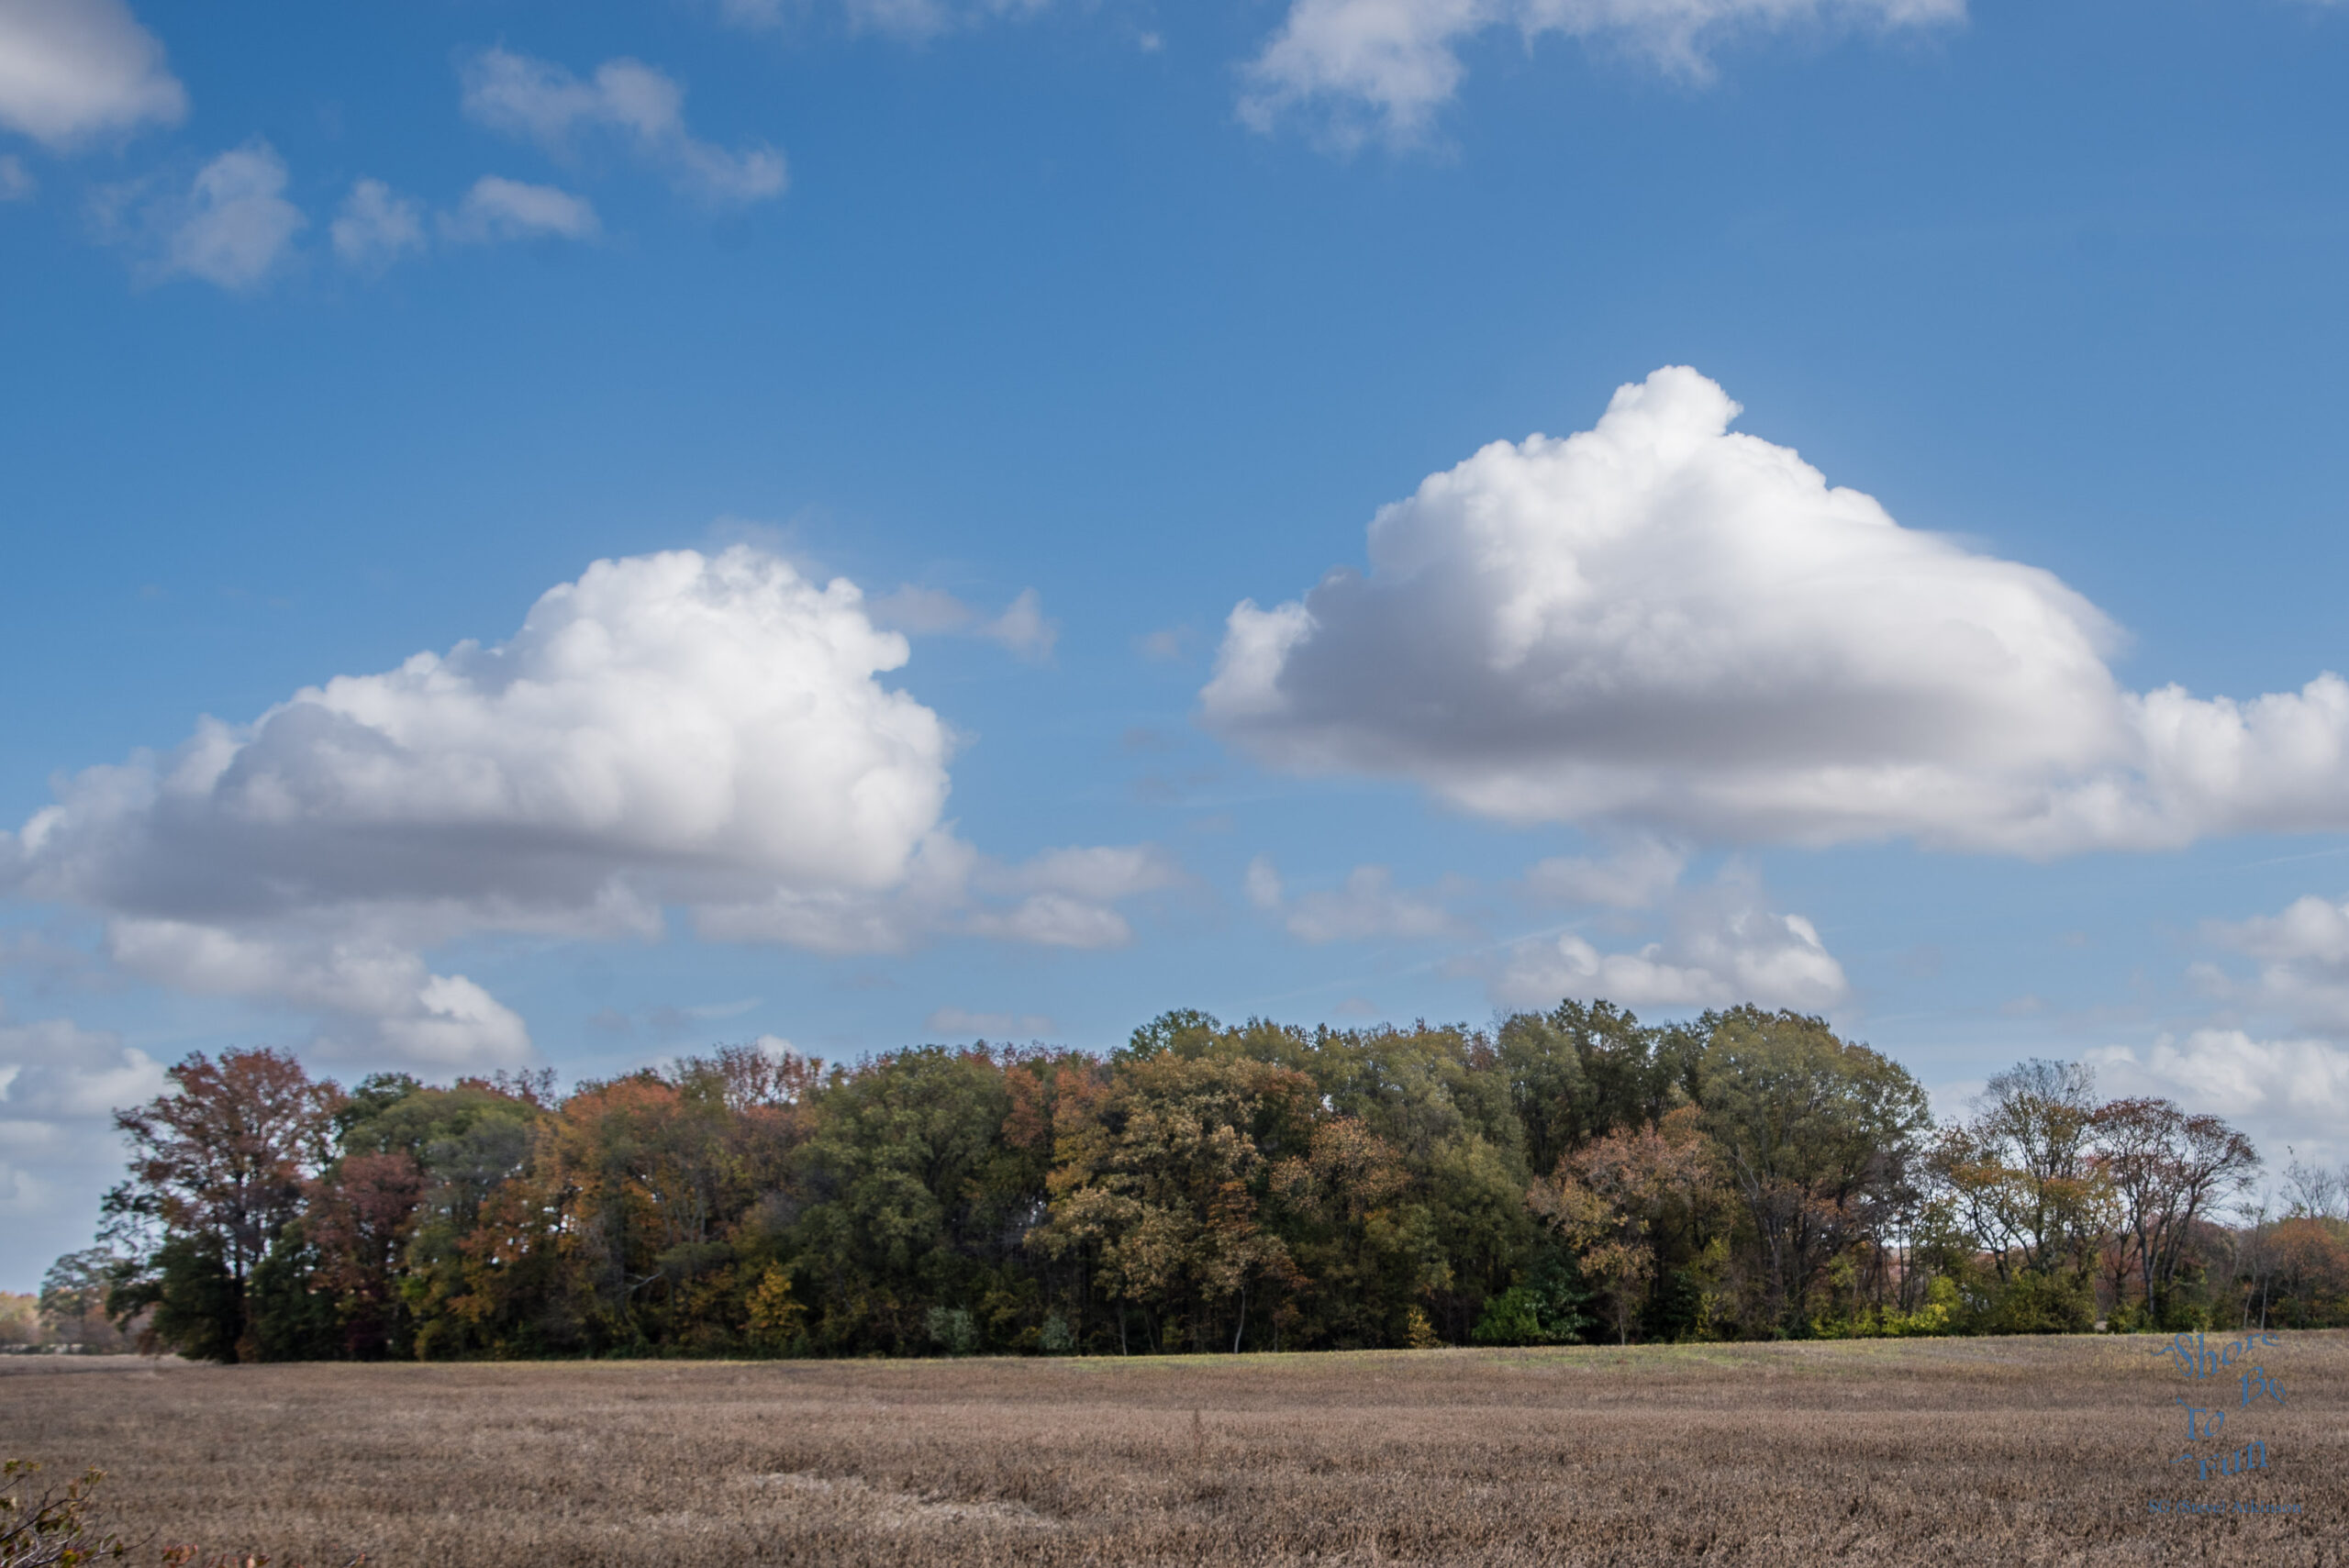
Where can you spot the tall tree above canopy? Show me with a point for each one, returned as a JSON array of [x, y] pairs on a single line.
[[216, 1172], [2024, 1173], [1815, 1135]]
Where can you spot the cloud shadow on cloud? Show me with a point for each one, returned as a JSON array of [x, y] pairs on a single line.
[[708, 733], [1659, 626]]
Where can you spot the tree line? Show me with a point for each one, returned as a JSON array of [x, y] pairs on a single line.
[[1561, 1176]]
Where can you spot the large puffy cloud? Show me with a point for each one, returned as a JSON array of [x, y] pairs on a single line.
[[548, 104], [72, 69], [1725, 945], [1663, 624], [674, 730], [673, 717], [1386, 66]]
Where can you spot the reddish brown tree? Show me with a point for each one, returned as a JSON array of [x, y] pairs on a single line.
[[1608, 1197], [217, 1170], [358, 1220]]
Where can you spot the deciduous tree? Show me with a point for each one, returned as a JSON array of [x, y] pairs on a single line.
[[218, 1167], [1815, 1134]]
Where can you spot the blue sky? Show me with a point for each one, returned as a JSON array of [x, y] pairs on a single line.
[[336, 337]]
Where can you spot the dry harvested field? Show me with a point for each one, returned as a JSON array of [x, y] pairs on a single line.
[[2005, 1450]]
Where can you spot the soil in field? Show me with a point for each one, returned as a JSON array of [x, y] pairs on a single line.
[[1942, 1451]]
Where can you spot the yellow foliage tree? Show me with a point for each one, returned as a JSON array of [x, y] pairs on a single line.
[[777, 1318]]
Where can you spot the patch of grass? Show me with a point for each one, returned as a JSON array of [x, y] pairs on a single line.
[[2016, 1450]]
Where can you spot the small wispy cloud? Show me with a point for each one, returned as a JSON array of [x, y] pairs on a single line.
[[1022, 628], [376, 226], [500, 209], [958, 1023], [643, 107], [1367, 907], [231, 225], [1360, 70]]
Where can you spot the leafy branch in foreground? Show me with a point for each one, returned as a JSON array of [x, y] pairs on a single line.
[[55, 1529], [52, 1529]]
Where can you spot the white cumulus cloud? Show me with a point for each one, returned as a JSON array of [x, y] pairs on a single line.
[[374, 996], [2278, 1091], [496, 208], [53, 1070], [2304, 964], [711, 733], [676, 714], [1385, 67], [1725, 946], [73, 69], [1668, 626], [59, 1085], [548, 104]]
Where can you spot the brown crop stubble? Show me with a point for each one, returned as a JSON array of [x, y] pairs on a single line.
[[1945, 1452]]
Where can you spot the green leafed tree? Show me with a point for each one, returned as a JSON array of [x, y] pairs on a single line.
[[1162, 1180], [1816, 1137]]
